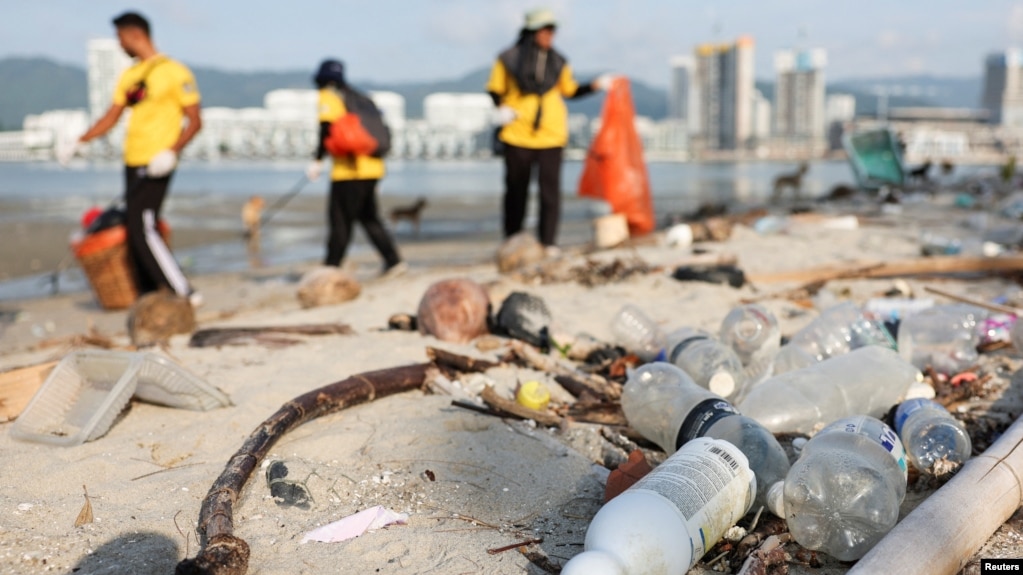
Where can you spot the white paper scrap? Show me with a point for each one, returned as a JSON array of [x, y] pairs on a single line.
[[354, 525]]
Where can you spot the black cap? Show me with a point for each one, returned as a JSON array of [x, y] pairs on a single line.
[[331, 71]]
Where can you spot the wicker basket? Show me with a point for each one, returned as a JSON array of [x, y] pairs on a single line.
[[103, 256]]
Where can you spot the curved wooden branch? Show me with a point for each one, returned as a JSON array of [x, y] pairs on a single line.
[[221, 552]]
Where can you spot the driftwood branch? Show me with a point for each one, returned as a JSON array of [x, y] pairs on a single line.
[[221, 552], [950, 526], [599, 386], [910, 267], [217, 336]]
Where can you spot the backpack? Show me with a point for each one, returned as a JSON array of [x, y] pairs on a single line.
[[361, 131]]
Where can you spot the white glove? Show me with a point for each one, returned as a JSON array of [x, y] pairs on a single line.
[[503, 116], [604, 81], [67, 150], [162, 164], [313, 170]]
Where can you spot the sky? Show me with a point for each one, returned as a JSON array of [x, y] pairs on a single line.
[[423, 40]]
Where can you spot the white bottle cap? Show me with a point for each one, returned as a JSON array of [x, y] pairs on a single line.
[[594, 563], [722, 383]]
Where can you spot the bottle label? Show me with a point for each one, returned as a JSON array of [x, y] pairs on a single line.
[[710, 483], [885, 437], [701, 417], [910, 406]]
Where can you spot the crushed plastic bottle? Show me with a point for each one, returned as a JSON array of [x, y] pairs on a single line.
[[931, 435], [669, 519], [839, 329], [867, 380], [639, 334], [712, 364], [944, 337], [843, 493], [666, 406], [752, 331]]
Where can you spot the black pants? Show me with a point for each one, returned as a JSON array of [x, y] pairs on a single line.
[[352, 200], [518, 170], [153, 264]]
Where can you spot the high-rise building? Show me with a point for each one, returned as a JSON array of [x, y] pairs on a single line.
[[681, 90], [723, 75], [1003, 87], [106, 61], [799, 97]]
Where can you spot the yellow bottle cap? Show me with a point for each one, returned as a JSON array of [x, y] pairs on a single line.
[[534, 395]]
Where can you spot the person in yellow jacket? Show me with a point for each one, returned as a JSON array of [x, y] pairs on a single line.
[[165, 116], [529, 83], [354, 180]]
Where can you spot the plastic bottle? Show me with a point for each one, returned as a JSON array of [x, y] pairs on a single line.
[[639, 334], [712, 364], [669, 519], [843, 493], [839, 329], [930, 433], [752, 331], [663, 404], [944, 337], [867, 380]]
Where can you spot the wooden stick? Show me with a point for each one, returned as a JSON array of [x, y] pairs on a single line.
[[950, 526], [18, 386], [541, 362], [221, 552], [1015, 312], [910, 267], [490, 396], [457, 362]]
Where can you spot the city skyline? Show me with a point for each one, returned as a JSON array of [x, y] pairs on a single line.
[[448, 38]]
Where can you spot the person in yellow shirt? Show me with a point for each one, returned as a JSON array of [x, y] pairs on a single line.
[[529, 83], [164, 102], [354, 180]]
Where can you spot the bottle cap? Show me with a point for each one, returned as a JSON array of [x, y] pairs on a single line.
[[533, 394], [722, 383]]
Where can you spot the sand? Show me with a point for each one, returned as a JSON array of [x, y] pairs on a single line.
[[470, 482]]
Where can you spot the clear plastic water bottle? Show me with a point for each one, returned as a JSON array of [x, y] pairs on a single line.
[[639, 334], [868, 380], [669, 519], [838, 330], [944, 337], [712, 364], [667, 407], [791, 357], [843, 493], [752, 331], [930, 434]]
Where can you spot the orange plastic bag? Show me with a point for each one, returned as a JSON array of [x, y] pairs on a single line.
[[348, 136], [614, 170]]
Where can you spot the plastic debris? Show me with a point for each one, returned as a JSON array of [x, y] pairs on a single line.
[[355, 525]]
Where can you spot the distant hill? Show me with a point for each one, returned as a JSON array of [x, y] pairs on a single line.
[[34, 85]]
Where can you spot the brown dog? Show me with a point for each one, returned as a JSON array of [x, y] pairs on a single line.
[[252, 215], [411, 213], [792, 180]]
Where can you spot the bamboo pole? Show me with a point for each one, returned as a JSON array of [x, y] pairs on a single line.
[[943, 532]]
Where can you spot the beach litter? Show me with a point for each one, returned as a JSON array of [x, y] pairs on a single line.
[[454, 310], [157, 316], [327, 285], [266, 335], [350, 527]]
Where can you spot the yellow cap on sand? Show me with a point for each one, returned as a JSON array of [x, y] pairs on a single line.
[[533, 394]]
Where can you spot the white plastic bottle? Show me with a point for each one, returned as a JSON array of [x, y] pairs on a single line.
[[639, 334], [751, 330], [868, 381], [668, 520], [930, 433], [663, 404], [712, 364], [843, 493]]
